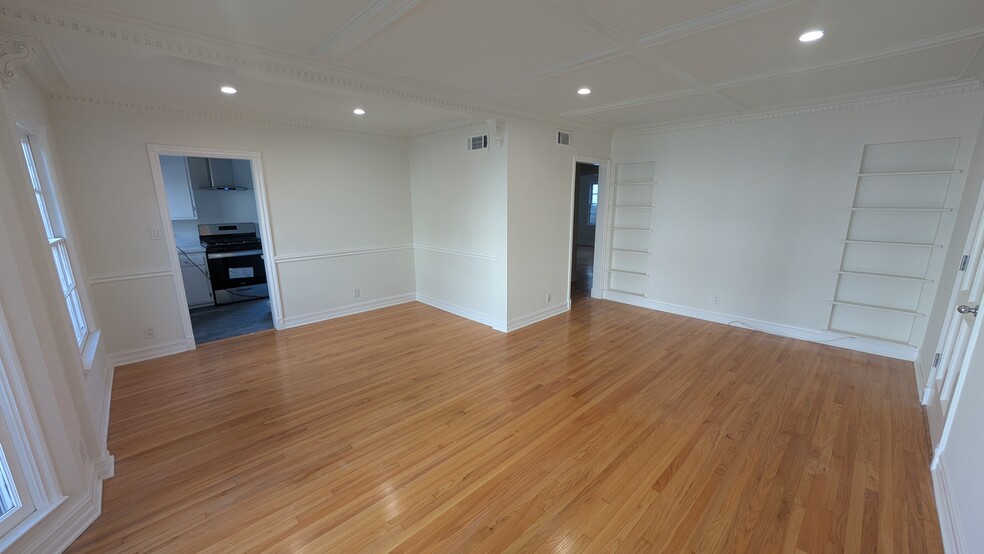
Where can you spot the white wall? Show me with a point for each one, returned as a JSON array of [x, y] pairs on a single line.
[[336, 200], [754, 212], [541, 200], [459, 224]]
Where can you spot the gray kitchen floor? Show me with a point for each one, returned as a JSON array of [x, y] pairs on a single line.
[[213, 323]]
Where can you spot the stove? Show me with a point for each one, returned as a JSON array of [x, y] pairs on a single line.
[[235, 261]]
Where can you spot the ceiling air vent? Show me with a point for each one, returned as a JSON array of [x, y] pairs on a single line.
[[564, 138], [481, 142]]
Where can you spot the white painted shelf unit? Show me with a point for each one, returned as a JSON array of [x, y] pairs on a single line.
[[630, 227], [895, 240]]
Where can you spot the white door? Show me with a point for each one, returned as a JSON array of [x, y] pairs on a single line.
[[962, 326]]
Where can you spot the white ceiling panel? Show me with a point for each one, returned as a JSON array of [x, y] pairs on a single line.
[[769, 41], [155, 78], [645, 16], [472, 45], [697, 106], [925, 65], [610, 81], [288, 26]]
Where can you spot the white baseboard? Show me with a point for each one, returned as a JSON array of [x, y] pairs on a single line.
[[535, 317], [315, 317], [830, 338], [943, 491], [135, 355], [56, 531], [459, 311]]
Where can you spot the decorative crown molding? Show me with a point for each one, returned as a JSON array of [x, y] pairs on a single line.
[[970, 85], [15, 50], [130, 34]]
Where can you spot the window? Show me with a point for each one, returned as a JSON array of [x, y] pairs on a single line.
[[54, 229], [593, 212]]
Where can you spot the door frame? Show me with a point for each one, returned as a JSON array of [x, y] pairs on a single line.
[[262, 214], [600, 265]]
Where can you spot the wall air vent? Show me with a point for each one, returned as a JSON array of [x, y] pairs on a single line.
[[481, 142], [564, 138]]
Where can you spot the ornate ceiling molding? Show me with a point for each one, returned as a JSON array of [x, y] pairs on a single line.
[[16, 50], [287, 68], [926, 92]]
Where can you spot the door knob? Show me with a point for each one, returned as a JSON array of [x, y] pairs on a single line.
[[965, 309]]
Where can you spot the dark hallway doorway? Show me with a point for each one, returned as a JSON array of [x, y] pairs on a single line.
[[585, 220]]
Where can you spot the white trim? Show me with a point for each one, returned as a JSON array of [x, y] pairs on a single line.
[[155, 151], [66, 522], [579, 62], [308, 256], [135, 355], [455, 252], [953, 542], [712, 20], [459, 311], [538, 316], [897, 50], [366, 24], [325, 315], [129, 276], [829, 338], [628, 103], [861, 100]]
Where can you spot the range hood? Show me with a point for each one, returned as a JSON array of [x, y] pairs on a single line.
[[220, 175]]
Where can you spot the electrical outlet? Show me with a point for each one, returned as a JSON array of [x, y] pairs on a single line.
[[716, 299], [549, 296], [148, 333], [156, 233], [357, 293]]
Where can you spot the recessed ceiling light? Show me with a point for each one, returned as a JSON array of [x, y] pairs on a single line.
[[810, 36], [228, 90], [583, 91], [359, 111]]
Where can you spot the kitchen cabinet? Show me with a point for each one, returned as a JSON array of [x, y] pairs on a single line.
[[194, 272], [198, 173], [178, 188]]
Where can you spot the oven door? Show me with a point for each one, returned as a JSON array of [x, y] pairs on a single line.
[[229, 270]]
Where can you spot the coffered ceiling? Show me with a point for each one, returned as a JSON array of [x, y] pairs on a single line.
[[417, 64]]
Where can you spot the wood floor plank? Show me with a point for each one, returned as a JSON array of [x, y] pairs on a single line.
[[608, 429]]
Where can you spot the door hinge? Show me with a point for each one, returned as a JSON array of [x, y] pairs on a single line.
[[936, 359], [963, 262]]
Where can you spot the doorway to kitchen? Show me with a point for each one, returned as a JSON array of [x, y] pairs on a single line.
[[218, 241], [589, 178]]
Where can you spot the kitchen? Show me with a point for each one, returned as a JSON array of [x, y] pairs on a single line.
[[213, 212]]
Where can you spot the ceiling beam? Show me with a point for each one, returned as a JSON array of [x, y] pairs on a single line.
[[651, 99], [377, 16], [599, 23], [555, 69]]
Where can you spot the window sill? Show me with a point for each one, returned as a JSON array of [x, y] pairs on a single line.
[[89, 351]]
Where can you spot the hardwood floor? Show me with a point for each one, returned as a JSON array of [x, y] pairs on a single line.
[[612, 428]]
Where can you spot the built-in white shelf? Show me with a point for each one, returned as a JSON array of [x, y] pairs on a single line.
[[886, 209], [630, 226], [877, 307], [642, 273], [884, 276], [865, 336], [893, 243], [639, 294], [901, 173], [902, 214]]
